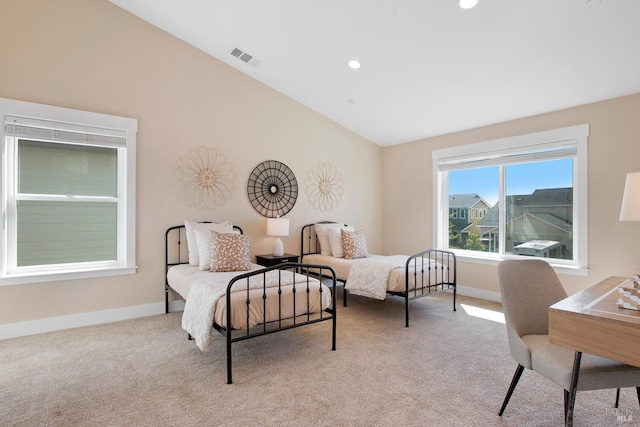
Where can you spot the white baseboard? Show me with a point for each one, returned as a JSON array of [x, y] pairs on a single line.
[[479, 293], [33, 327]]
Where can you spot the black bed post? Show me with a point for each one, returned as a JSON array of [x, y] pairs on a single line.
[[335, 311], [228, 357], [227, 330], [455, 279], [406, 308], [406, 292]]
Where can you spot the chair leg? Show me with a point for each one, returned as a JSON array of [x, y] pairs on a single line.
[[617, 397], [568, 420], [512, 387]]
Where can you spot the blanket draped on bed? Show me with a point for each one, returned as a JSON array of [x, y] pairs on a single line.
[[199, 308], [368, 277]]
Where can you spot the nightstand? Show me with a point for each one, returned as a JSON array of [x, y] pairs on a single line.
[[269, 259]]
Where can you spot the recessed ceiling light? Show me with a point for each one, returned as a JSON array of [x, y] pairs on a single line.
[[468, 4], [354, 63]]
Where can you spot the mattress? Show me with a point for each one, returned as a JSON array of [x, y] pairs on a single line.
[[182, 279], [396, 280]]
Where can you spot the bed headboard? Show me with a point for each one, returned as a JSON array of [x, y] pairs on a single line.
[[309, 240], [174, 251]]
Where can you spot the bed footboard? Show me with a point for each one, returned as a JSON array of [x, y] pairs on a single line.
[[301, 300], [432, 271]]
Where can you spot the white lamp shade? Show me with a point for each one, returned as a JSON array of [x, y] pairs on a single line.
[[630, 210], [468, 4], [277, 226]]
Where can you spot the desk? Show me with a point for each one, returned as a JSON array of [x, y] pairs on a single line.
[[590, 322]]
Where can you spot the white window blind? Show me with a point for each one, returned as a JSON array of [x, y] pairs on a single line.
[[68, 133], [532, 153]]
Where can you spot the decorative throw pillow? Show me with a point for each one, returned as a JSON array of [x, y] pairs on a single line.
[[354, 244], [230, 252], [202, 250], [335, 240]]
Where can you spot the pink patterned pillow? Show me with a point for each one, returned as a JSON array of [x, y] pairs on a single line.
[[230, 252], [354, 244]]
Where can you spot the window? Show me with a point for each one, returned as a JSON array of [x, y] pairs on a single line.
[[533, 193], [68, 193]]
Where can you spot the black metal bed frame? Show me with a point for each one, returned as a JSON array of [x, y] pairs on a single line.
[[419, 265], [174, 235]]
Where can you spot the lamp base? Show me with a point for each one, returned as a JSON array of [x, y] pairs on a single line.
[[278, 247]]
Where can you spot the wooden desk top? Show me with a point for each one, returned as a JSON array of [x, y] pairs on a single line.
[[591, 322]]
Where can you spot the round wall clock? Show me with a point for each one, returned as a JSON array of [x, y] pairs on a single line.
[[272, 189]]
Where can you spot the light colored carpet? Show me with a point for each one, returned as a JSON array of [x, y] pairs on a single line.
[[447, 369]]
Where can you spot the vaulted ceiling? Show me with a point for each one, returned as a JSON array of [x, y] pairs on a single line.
[[428, 67]]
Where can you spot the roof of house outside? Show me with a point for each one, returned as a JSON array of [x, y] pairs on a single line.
[[544, 197], [457, 201]]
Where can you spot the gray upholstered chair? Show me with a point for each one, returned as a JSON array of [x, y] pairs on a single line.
[[529, 287]]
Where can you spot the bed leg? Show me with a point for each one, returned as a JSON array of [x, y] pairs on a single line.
[[333, 337], [229, 361], [344, 295], [454, 299], [406, 309], [166, 300]]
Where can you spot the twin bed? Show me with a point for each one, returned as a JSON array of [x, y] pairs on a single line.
[[375, 276], [244, 304], [225, 292]]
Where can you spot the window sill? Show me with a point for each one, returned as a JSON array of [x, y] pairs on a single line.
[[558, 268], [24, 279]]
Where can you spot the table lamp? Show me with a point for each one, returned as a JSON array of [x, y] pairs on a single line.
[[630, 210], [278, 227]]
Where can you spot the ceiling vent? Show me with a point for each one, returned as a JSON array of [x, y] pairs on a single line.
[[245, 57]]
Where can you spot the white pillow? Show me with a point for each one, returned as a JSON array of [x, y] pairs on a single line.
[[192, 246], [335, 240], [323, 236], [192, 240]]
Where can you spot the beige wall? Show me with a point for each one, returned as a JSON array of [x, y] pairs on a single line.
[[613, 150], [91, 55]]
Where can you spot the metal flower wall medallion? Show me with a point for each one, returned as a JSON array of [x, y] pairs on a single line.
[[323, 186], [205, 177]]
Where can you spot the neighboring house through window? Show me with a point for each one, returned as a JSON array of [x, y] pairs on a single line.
[[68, 193], [528, 194]]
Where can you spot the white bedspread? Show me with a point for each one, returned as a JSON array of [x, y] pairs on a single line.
[[199, 309], [369, 277]]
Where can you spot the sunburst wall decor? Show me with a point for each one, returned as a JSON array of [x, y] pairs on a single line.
[[323, 186], [205, 177]]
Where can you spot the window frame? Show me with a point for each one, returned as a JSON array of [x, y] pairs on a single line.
[[574, 135], [126, 219]]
